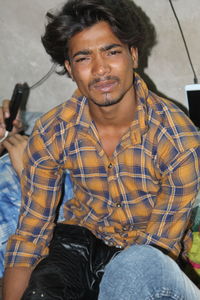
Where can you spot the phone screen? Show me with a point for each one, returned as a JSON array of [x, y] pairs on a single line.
[[194, 106]]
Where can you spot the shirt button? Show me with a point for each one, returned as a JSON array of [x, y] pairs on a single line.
[[119, 205], [110, 166], [124, 228]]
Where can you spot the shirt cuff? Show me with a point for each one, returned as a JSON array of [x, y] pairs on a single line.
[[22, 253]]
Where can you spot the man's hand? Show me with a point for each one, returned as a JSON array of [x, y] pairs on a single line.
[[15, 145], [15, 282], [4, 114]]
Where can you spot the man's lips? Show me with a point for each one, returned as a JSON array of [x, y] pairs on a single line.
[[105, 86]]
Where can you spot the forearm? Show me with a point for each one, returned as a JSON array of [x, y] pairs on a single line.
[[15, 282]]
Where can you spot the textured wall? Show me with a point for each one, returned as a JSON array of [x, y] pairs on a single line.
[[168, 64], [24, 59]]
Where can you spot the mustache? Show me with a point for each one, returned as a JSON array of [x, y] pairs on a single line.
[[106, 78]]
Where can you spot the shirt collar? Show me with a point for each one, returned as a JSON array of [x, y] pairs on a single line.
[[139, 125], [76, 110]]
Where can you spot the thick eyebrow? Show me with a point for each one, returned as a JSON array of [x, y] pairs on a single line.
[[105, 48], [109, 47], [82, 52]]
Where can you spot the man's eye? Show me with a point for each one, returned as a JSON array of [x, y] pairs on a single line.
[[114, 52], [80, 59]]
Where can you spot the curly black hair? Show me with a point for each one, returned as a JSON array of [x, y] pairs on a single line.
[[128, 22]]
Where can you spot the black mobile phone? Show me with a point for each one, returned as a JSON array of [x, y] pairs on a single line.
[[18, 99], [193, 98]]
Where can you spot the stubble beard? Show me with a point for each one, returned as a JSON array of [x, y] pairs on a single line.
[[107, 101]]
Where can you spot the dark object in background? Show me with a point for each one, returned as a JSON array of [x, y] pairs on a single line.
[[194, 106], [18, 100], [192, 93]]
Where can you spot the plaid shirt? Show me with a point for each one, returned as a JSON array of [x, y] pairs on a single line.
[[143, 195]]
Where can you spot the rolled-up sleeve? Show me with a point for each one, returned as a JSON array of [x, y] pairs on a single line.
[[41, 191]]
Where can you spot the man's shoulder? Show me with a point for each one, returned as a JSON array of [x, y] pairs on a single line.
[[65, 113], [167, 112], [172, 123], [162, 113], [162, 106]]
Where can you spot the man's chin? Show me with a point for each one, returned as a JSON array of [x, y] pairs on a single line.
[[106, 101]]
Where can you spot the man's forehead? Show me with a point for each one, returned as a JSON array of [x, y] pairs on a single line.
[[98, 36]]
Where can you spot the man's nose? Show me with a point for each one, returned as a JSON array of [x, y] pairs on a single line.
[[100, 66]]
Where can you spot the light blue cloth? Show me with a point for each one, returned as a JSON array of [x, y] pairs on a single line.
[[10, 194], [9, 204], [10, 197], [143, 272]]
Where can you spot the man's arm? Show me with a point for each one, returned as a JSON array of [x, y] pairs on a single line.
[[171, 213], [15, 279], [15, 282], [41, 189]]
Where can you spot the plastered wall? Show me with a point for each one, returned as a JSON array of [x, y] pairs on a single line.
[[22, 57]]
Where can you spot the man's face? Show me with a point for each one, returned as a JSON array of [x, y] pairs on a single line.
[[101, 65]]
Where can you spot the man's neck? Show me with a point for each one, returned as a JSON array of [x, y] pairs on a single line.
[[112, 122], [114, 116]]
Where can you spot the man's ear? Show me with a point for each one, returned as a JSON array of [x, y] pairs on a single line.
[[134, 55], [68, 68]]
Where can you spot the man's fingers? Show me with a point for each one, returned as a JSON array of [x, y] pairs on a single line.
[[2, 131], [15, 140], [2, 123], [4, 113], [5, 107], [18, 124]]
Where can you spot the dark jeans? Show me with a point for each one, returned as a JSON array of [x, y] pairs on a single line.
[[74, 267]]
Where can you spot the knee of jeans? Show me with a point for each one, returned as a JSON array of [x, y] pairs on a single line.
[[141, 258], [138, 271]]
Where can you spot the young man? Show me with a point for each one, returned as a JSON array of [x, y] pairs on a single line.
[[134, 162]]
